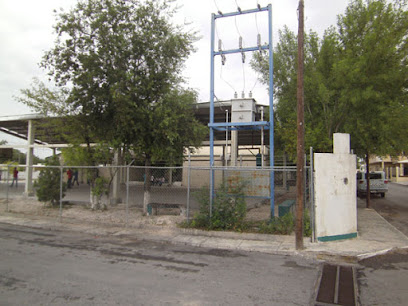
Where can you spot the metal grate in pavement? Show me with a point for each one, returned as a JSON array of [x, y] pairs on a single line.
[[337, 286]]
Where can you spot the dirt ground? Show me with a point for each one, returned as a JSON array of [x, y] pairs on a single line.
[[118, 215], [114, 215]]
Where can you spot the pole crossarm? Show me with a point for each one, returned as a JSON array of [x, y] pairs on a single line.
[[237, 13], [248, 49], [222, 126]]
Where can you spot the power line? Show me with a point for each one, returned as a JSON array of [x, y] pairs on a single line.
[[256, 22], [232, 87], [243, 75], [216, 5], [239, 9], [236, 26], [256, 82]]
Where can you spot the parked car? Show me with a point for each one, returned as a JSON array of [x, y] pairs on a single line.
[[378, 183]]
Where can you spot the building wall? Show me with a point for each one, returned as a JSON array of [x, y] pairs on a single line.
[[396, 169], [201, 158]]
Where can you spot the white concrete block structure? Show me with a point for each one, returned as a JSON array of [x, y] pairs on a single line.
[[335, 192]]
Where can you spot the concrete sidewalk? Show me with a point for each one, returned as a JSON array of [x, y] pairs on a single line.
[[375, 236]]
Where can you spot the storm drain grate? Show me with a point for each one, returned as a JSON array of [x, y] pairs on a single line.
[[337, 286]]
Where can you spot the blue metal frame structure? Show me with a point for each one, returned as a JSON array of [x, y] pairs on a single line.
[[248, 125]]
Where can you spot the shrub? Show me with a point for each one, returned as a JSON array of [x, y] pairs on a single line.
[[307, 227], [48, 183], [228, 209], [282, 226], [285, 225]]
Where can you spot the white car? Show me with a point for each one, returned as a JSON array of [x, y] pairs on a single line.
[[378, 183]]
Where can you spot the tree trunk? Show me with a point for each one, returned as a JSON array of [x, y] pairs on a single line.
[[147, 185], [368, 195]]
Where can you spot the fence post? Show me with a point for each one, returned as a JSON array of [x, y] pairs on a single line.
[[311, 196], [8, 186], [60, 210], [188, 186], [211, 188], [285, 173], [127, 195], [305, 181]]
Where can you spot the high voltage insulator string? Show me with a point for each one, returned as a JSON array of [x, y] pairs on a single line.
[[241, 46]]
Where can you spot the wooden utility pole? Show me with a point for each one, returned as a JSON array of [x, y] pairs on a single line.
[[300, 132]]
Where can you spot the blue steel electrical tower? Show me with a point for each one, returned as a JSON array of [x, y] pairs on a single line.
[[255, 125]]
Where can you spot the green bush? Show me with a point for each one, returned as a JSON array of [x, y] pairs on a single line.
[[228, 209], [307, 228], [100, 187], [285, 225], [48, 183], [281, 226]]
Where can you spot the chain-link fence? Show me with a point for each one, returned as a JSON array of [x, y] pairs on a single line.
[[124, 193]]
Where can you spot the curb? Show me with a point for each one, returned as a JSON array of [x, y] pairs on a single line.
[[379, 253], [248, 242]]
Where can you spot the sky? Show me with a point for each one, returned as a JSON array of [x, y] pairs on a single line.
[[26, 33]]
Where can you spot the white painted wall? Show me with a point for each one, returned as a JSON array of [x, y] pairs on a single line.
[[335, 190]]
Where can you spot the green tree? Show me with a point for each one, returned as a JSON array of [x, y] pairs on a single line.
[[356, 81], [122, 62], [317, 90], [49, 183], [122, 58], [372, 76]]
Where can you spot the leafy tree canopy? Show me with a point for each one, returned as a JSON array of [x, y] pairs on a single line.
[[372, 75], [355, 80], [117, 67]]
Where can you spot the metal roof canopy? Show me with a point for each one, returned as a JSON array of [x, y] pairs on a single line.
[[47, 136]]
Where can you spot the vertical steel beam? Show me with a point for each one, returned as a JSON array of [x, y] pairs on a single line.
[[8, 185], [188, 185], [271, 122], [212, 113], [61, 185], [28, 189]]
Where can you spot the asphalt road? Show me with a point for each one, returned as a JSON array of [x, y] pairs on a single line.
[[40, 267], [383, 279], [394, 207]]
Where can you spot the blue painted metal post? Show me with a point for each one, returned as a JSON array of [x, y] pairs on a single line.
[[271, 122], [212, 114]]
